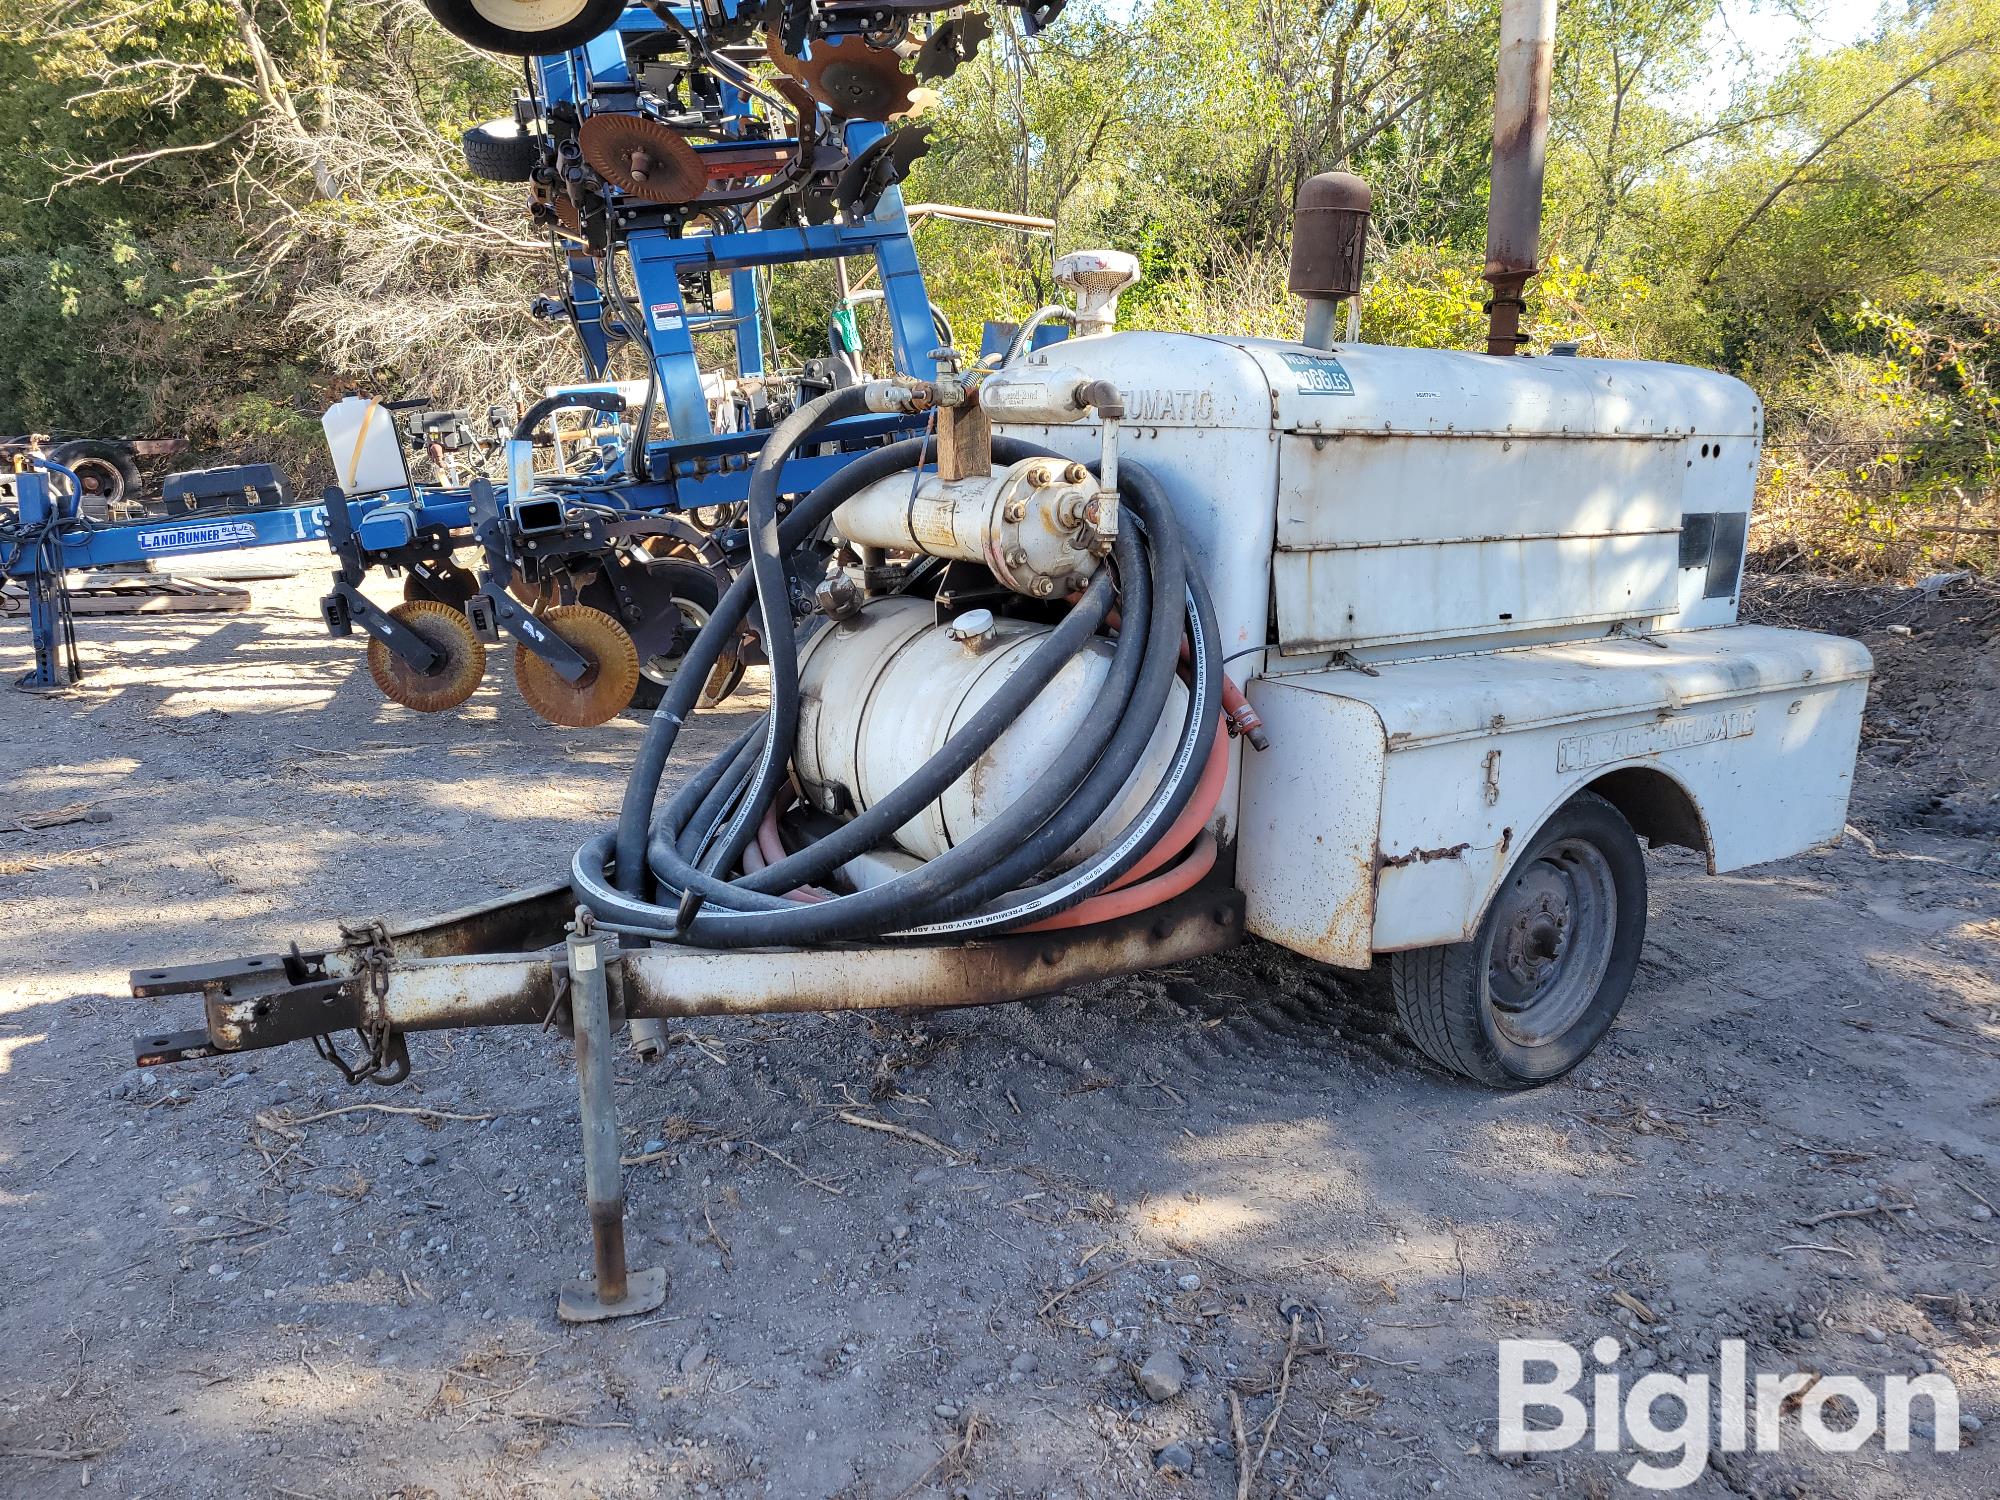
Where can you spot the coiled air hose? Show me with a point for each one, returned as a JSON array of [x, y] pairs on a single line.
[[665, 873]]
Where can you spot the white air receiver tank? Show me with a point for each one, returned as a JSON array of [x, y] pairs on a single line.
[[882, 692]]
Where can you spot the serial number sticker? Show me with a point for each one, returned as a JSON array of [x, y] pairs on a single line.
[[1319, 374], [1581, 752], [930, 523], [196, 538]]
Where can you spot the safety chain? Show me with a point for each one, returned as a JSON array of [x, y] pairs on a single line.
[[387, 1059], [369, 943]]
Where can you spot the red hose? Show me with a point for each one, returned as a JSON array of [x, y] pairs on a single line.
[[1194, 817], [767, 849], [1237, 713], [1136, 898], [1132, 891]]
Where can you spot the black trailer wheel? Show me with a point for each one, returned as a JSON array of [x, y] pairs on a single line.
[[109, 472], [500, 151], [1529, 997], [524, 28]]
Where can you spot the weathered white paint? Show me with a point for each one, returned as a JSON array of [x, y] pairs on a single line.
[[1472, 753]]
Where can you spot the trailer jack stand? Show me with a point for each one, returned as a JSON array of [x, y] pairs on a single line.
[[617, 1291]]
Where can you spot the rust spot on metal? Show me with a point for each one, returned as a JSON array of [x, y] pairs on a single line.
[[1424, 856], [517, 921], [670, 982]]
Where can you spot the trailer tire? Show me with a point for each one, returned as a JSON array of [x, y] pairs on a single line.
[[109, 471], [500, 151], [1538, 987], [525, 28]]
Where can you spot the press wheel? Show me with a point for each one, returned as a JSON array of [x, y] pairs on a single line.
[[457, 675], [606, 686]]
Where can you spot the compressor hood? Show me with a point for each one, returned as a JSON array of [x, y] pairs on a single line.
[[1206, 380]]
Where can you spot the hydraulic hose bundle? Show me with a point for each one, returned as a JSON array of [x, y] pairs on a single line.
[[694, 870]]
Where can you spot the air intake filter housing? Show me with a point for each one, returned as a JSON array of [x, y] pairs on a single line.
[[1097, 277], [1330, 236]]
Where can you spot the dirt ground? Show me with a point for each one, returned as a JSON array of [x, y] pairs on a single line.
[[216, 1283]]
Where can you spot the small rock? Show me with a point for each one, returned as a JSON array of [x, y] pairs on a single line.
[[1981, 1212], [695, 1357], [1189, 1283], [1161, 1377], [420, 1158], [1104, 1364], [1175, 1458], [945, 1409], [1100, 1328], [651, 1146], [1873, 1334], [1024, 1364], [1967, 1422]]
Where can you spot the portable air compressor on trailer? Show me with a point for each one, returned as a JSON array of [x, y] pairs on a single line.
[[1395, 656]]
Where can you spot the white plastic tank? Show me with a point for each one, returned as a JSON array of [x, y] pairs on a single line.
[[361, 439]]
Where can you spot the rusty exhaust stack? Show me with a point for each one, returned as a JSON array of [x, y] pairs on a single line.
[[1329, 248], [1520, 149]]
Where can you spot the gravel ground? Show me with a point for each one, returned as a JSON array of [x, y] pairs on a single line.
[[1210, 1232]]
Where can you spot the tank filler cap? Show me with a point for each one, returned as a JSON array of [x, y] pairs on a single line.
[[973, 630]]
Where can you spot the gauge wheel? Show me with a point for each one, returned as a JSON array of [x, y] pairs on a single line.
[[1540, 984], [108, 473], [500, 151], [695, 593], [525, 28], [456, 676], [606, 687]]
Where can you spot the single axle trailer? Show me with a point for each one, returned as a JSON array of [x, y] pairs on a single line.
[[1163, 642]]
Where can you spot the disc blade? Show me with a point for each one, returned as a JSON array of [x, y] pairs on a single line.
[[851, 78], [605, 688], [643, 158], [457, 675]]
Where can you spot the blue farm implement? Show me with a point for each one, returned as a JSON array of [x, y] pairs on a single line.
[[674, 156]]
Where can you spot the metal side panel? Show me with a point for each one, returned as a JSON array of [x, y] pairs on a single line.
[[1307, 846], [1377, 596], [1768, 772], [1756, 726], [1391, 537]]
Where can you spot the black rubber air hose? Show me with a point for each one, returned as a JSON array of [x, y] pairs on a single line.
[[1019, 842]]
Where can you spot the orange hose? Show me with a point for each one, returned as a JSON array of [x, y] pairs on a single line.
[[767, 849], [1136, 898], [1132, 891], [1194, 817], [1237, 712]]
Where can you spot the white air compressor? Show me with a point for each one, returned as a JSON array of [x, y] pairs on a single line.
[[1484, 608]]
